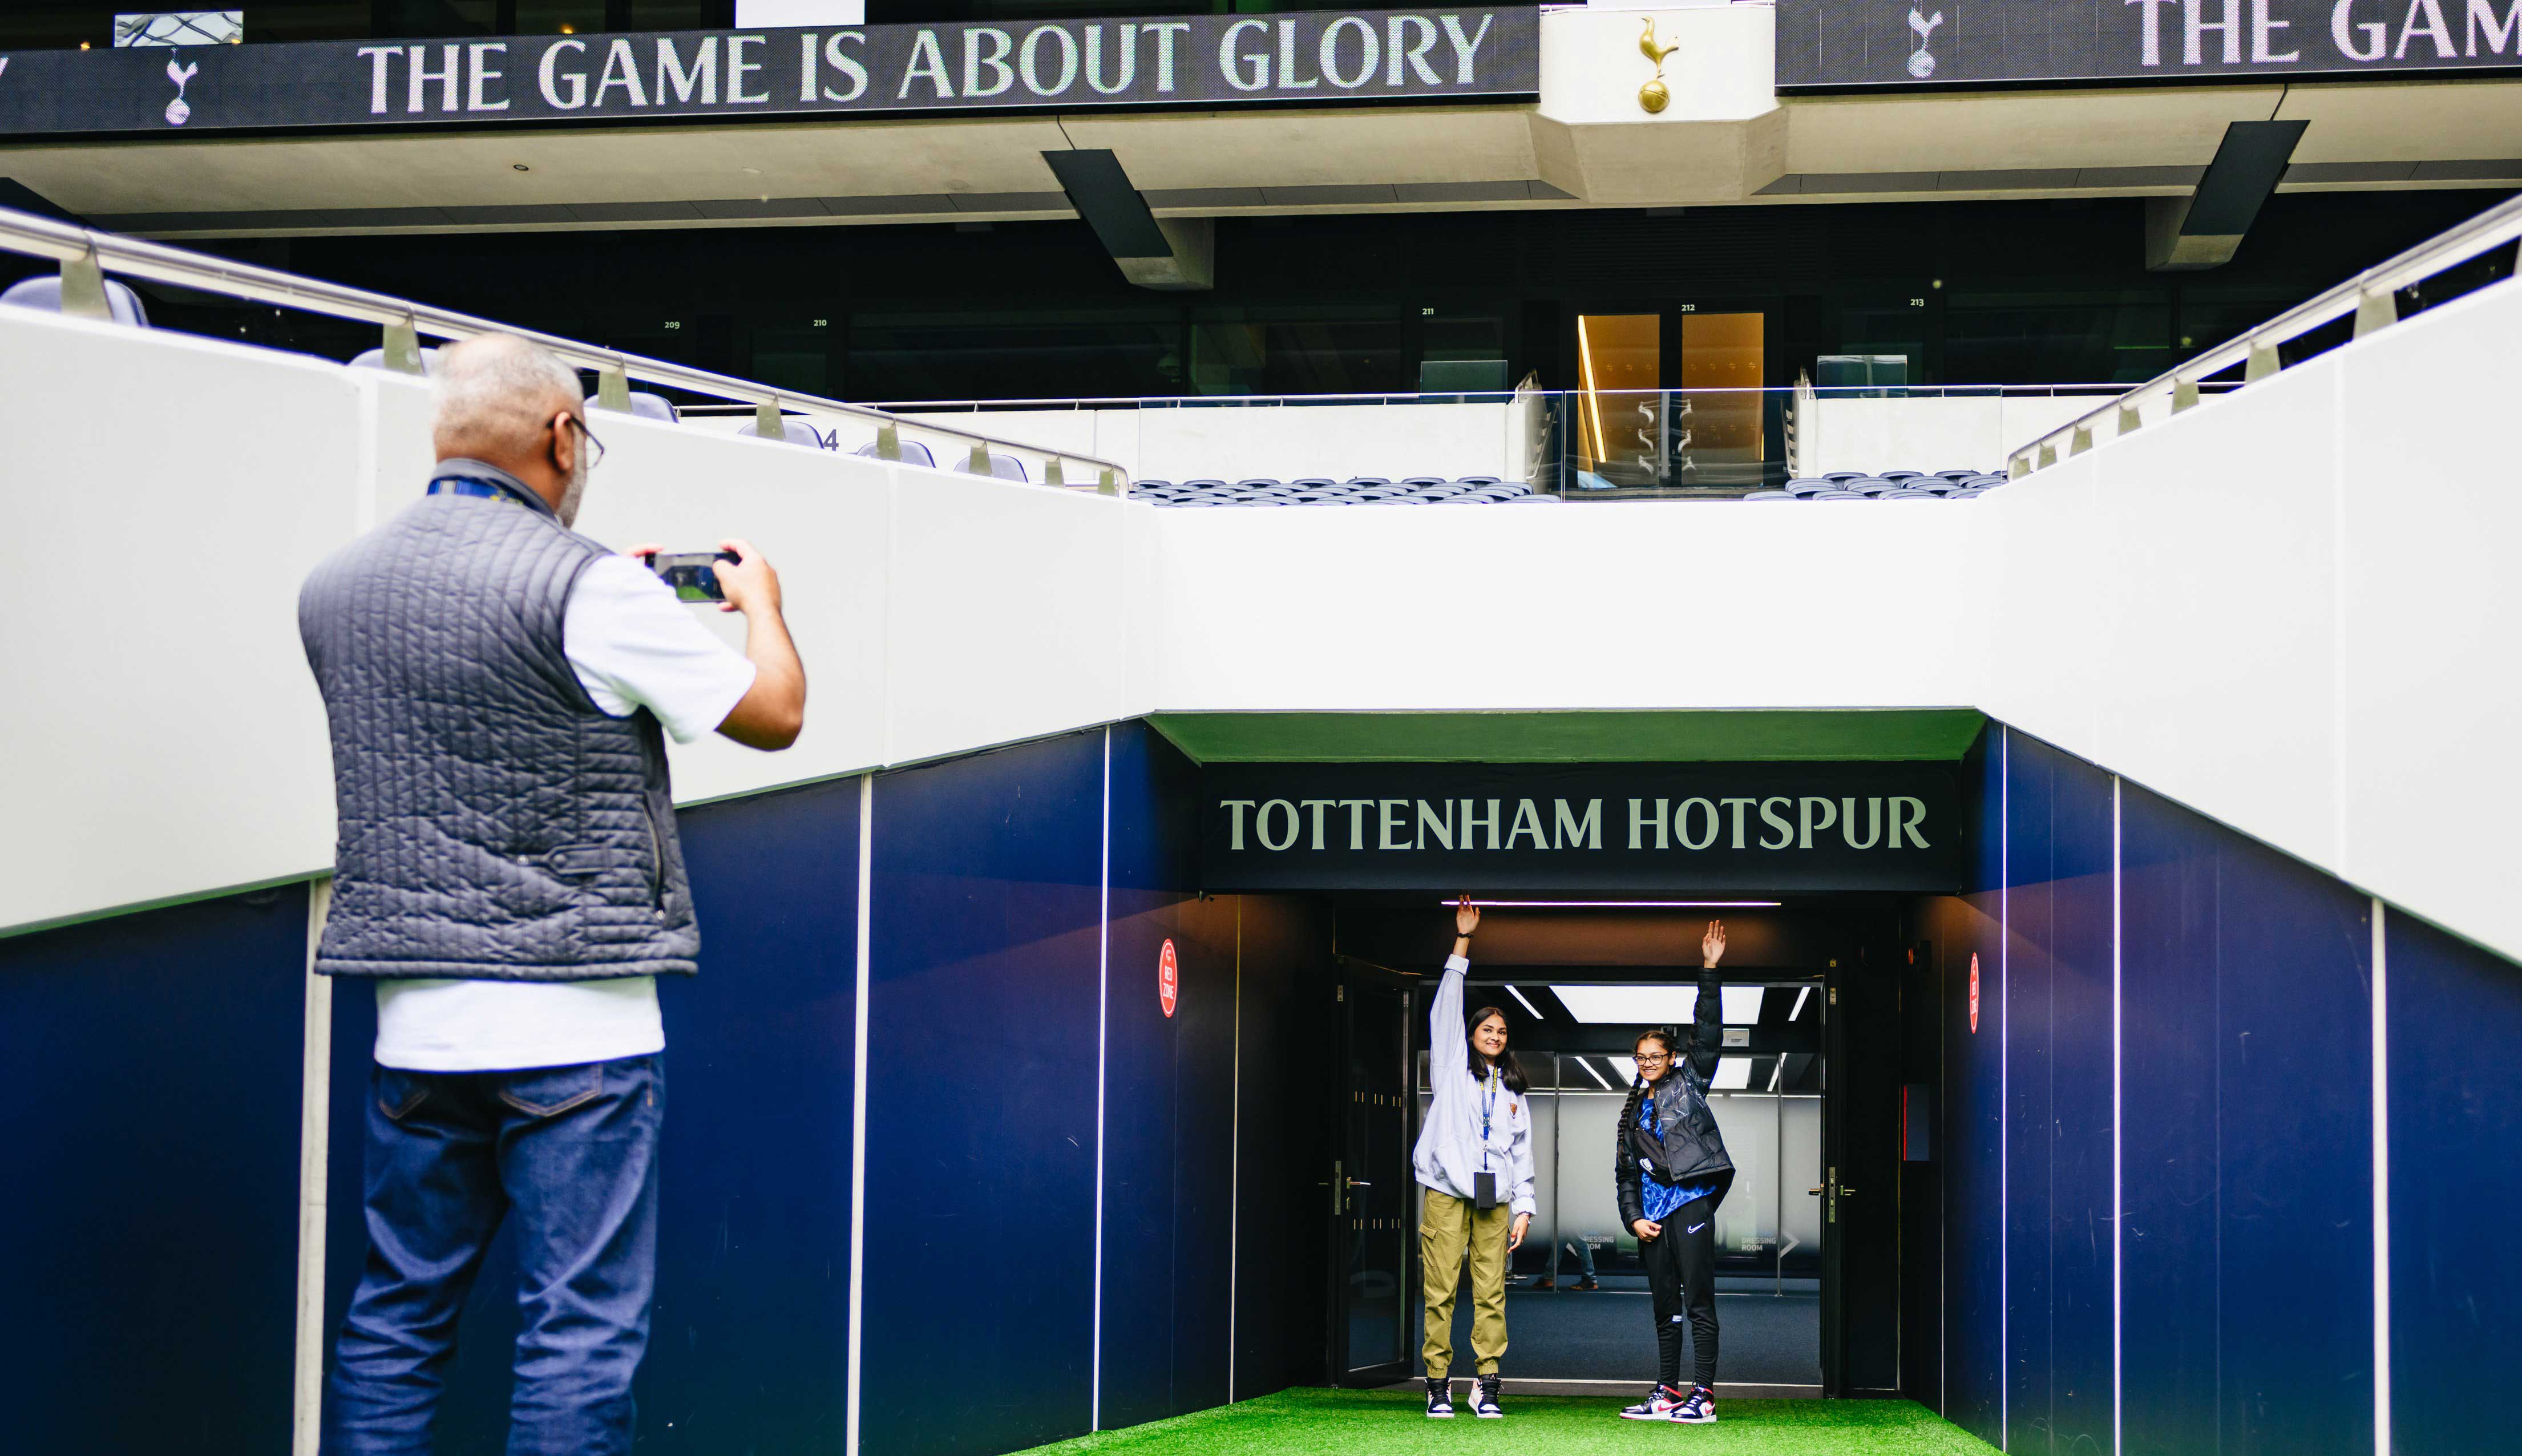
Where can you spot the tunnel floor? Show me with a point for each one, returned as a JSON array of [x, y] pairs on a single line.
[[1389, 1423]]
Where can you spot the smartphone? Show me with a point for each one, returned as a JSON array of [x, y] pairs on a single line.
[[692, 574]]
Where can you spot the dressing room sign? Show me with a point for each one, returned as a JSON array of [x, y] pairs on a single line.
[[1319, 57], [1616, 826], [1850, 43]]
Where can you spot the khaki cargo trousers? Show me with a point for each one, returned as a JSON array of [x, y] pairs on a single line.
[[1449, 1226]]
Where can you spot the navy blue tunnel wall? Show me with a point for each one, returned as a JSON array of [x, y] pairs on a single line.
[[2165, 1006], [2159, 1158], [150, 1077]]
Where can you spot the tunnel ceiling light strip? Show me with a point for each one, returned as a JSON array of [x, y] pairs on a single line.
[[1618, 904], [1803, 995], [1657, 1005], [1777, 1073], [1733, 1075], [1626, 1066], [1518, 994], [1597, 1076]]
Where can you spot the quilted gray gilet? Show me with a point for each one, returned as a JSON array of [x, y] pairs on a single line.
[[495, 824]]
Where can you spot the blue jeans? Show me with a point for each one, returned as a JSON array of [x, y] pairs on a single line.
[[571, 1152]]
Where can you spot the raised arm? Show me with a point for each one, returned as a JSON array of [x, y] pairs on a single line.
[[1449, 1042], [1707, 1026]]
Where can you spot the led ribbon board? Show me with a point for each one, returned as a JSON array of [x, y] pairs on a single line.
[[1845, 44], [1323, 58], [1627, 828]]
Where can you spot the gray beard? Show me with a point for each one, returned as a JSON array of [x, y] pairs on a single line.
[[569, 498]]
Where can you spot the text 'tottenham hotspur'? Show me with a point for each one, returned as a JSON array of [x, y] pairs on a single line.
[[1778, 821]]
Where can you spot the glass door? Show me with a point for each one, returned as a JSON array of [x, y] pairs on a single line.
[[1371, 1206]]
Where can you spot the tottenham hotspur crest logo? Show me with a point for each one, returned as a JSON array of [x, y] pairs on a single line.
[[179, 110], [1921, 64]]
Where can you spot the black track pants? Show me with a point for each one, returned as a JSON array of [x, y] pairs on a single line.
[[1681, 1273]]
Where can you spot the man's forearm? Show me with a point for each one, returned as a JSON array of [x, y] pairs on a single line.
[[774, 660]]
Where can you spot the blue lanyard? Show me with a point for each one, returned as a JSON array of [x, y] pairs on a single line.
[[1488, 1106], [488, 490]]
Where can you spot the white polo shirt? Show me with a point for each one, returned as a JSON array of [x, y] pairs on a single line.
[[633, 646]]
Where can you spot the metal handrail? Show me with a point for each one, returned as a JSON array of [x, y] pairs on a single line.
[[158, 262], [2367, 296], [1082, 401]]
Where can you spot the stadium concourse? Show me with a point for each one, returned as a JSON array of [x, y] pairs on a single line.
[[2112, 1040]]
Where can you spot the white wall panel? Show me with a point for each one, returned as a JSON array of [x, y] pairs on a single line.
[[2040, 611], [1632, 605], [1004, 620], [2432, 711], [1925, 434], [161, 736], [2290, 609], [2213, 547], [1338, 441]]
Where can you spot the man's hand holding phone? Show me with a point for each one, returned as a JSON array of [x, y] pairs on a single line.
[[736, 576], [774, 713]]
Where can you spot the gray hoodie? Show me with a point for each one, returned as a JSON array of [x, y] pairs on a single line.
[[1450, 1150]]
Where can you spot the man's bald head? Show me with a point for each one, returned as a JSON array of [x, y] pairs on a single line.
[[496, 395]]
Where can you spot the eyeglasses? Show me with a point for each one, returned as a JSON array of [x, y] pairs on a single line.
[[594, 446], [1652, 1060]]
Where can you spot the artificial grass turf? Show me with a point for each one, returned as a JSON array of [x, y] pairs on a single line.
[[1391, 1423]]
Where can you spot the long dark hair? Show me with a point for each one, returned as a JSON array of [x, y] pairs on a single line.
[[1638, 1085], [1508, 1067]]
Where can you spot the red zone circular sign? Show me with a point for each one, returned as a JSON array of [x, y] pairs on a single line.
[[1973, 992], [1168, 979]]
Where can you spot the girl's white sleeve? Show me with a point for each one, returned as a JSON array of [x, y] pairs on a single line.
[[1449, 1042], [1519, 1161]]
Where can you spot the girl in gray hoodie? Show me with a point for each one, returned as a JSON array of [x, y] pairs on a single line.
[[1473, 1164]]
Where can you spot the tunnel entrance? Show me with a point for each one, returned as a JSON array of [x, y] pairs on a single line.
[[1597, 880], [1808, 1279]]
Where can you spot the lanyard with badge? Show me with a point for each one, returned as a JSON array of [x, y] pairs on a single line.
[[1485, 1183]]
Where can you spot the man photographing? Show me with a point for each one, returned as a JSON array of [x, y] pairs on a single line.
[[507, 873]]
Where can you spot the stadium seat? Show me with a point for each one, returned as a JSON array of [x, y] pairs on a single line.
[[1842, 474], [794, 430], [1872, 485], [649, 407], [1772, 495], [1536, 497], [1149, 487], [44, 290], [1811, 486], [912, 453], [1204, 483], [1003, 467], [1836, 496]]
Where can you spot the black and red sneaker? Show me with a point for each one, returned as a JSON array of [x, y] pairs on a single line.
[[1440, 1398], [1485, 1397], [1658, 1405], [1698, 1410]]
